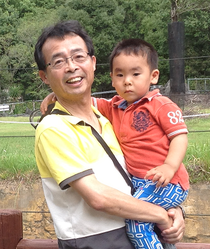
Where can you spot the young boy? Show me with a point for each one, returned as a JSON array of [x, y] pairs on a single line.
[[151, 133]]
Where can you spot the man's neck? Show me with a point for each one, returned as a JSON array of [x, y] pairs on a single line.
[[82, 109]]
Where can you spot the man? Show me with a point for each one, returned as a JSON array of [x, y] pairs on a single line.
[[86, 195]]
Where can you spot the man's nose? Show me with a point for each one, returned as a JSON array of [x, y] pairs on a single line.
[[70, 65]]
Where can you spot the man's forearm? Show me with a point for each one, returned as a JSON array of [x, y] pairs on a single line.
[[107, 199]]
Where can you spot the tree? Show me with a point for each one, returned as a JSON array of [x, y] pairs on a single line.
[[195, 15], [179, 7], [197, 44], [107, 22], [102, 20]]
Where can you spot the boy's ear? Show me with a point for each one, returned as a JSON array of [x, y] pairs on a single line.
[[155, 76], [43, 76], [111, 75]]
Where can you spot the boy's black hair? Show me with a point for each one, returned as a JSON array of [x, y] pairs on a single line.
[[59, 30], [137, 47]]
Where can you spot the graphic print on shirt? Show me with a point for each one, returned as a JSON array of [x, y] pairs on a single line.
[[141, 121]]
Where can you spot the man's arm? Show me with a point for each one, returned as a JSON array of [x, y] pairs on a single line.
[[107, 199], [112, 201]]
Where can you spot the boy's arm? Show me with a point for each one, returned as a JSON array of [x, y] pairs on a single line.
[[165, 172], [51, 98], [100, 104], [104, 106]]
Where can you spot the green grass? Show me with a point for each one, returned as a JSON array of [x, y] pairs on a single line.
[[17, 158], [16, 129], [197, 159], [17, 153]]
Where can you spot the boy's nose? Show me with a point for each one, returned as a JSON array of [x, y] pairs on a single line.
[[127, 82]]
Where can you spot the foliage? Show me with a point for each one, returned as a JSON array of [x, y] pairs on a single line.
[[198, 21], [178, 7], [107, 22]]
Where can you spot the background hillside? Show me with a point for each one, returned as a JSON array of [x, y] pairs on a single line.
[[107, 22]]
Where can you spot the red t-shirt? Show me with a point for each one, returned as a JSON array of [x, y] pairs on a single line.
[[144, 130]]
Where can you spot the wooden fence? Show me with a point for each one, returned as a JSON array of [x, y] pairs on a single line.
[[11, 235]]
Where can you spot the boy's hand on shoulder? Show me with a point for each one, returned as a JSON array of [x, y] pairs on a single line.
[[161, 174], [51, 98]]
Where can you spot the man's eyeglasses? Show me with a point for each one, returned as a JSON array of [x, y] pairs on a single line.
[[77, 57]]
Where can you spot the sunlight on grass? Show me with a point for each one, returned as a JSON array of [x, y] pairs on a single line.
[[16, 129], [197, 159], [17, 157]]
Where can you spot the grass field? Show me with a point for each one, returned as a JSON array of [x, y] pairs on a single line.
[[197, 159], [17, 149]]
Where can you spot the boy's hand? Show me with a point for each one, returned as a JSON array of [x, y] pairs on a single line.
[[161, 174], [51, 98]]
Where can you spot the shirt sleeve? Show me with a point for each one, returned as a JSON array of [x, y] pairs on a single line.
[[169, 116], [61, 156], [104, 106]]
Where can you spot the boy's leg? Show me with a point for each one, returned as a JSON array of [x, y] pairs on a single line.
[[142, 234]]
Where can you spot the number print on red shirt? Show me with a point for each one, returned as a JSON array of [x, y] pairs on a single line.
[[175, 117]]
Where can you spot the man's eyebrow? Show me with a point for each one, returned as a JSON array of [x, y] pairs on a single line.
[[76, 50], [61, 54], [57, 55]]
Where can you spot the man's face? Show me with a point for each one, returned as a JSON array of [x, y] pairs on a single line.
[[74, 79]]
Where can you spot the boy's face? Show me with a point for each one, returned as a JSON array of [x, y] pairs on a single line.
[[132, 76]]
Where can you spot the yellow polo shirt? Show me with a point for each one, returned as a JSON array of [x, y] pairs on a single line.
[[65, 151]]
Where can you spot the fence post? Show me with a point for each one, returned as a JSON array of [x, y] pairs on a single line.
[[11, 228]]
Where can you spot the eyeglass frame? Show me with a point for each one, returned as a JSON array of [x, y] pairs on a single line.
[[67, 58]]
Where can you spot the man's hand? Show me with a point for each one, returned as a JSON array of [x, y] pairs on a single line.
[[175, 233], [161, 174], [51, 98], [166, 225]]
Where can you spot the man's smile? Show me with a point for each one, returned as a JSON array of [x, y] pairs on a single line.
[[74, 80]]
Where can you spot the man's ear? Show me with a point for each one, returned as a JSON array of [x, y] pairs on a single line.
[[155, 76], [94, 62], [43, 76]]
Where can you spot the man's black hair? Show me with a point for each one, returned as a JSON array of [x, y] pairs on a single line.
[[59, 30]]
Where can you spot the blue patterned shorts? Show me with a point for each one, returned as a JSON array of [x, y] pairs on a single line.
[[142, 234]]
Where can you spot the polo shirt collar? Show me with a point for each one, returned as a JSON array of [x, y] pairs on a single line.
[[123, 104], [75, 120]]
